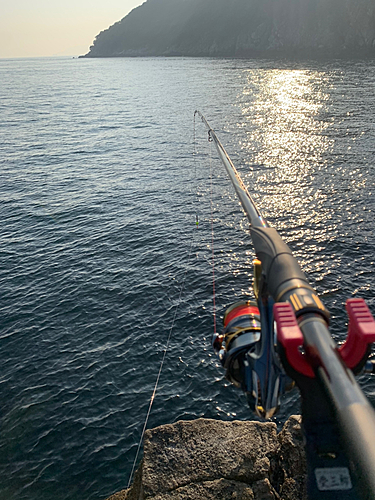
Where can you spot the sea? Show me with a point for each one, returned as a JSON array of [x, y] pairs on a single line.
[[103, 173]]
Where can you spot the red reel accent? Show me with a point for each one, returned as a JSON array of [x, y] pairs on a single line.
[[291, 338], [241, 310], [361, 332]]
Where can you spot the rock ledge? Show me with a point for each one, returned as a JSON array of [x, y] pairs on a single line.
[[212, 459]]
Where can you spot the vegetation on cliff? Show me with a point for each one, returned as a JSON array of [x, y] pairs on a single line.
[[236, 28]]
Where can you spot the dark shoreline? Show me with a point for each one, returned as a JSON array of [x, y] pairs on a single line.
[[296, 56]]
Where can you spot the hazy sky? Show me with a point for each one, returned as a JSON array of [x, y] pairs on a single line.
[[32, 28]]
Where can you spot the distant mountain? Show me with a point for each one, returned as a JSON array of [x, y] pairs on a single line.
[[242, 28]]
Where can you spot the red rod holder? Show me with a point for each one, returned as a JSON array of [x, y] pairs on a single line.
[[361, 334], [291, 338]]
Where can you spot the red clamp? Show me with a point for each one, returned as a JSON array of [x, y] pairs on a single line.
[[361, 332], [291, 338]]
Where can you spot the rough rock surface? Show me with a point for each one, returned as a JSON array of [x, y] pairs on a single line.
[[211, 459]]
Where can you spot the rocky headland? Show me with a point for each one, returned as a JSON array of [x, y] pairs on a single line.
[[211, 459], [242, 28]]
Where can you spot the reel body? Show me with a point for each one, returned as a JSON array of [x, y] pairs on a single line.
[[247, 351]]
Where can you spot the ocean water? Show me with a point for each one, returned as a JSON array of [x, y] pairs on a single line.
[[102, 173]]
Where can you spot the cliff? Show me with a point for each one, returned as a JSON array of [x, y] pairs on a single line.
[[210, 459], [242, 28]]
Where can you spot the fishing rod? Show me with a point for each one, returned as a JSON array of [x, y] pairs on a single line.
[[338, 422]]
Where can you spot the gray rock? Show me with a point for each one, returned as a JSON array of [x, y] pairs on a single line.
[[292, 460], [204, 450], [121, 495], [210, 490], [204, 459]]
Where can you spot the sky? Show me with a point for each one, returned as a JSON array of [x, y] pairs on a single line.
[[40, 28]]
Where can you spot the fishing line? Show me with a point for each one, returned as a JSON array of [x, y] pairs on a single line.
[[161, 365], [212, 211], [212, 237], [195, 153], [180, 297]]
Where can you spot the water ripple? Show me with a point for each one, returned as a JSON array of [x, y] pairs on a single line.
[[98, 194]]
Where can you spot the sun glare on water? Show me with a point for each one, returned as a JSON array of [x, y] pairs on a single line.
[[285, 122]]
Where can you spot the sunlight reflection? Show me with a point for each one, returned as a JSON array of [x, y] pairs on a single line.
[[289, 133], [286, 143], [285, 132]]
